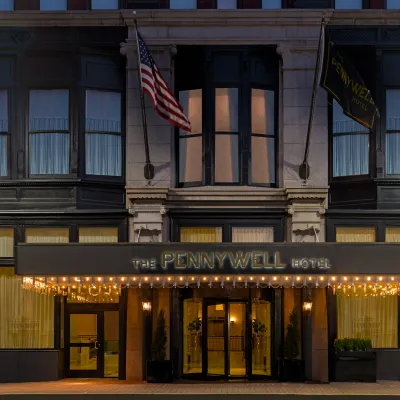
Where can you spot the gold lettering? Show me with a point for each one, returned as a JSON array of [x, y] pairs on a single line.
[[221, 257], [193, 260], [207, 259], [180, 262], [278, 263], [167, 257], [255, 256], [238, 260]]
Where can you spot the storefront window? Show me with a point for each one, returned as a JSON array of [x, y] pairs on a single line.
[[392, 234], [26, 316], [98, 235], [201, 235], [192, 333], [361, 314], [252, 235], [6, 242], [355, 234], [47, 235], [261, 337]]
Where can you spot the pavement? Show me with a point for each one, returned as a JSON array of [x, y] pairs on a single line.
[[110, 388]]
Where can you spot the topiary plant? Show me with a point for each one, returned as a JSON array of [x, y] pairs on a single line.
[[160, 339], [292, 338]]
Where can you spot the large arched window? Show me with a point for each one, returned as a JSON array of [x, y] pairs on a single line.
[[229, 95]]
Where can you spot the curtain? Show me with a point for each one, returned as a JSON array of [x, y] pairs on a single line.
[[226, 4], [48, 127], [191, 148], [50, 5], [201, 235], [368, 317], [105, 5], [3, 155], [6, 242], [103, 133], [392, 131], [272, 4], [182, 5], [7, 5], [252, 235], [46, 235], [4, 130], [98, 235], [392, 234], [349, 4], [350, 234], [350, 145], [26, 316], [392, 4]]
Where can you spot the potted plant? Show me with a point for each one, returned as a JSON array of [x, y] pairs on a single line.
[[159, 370], [195, 326], [293, 365], [195, 339], [258, 328], [354, 360]]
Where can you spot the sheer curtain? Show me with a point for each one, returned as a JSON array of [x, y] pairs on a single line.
[[98, 235], [355, 234], [7, 5], [4, 137], [201, 235], [392, 131], [105, 5], [48, 132], [6, 242], [191, 143], [392, 234], [350, 145], [103, 133], [53, 5], [46, 235], [252, 235], [368, 317], [26, 316]]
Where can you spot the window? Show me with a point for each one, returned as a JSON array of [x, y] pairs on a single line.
[[348, 4], [392, 131], [98, 234], [368, 315], [183, 4], [392, 4], [252, 235], [49, 132], [350, 145], [201, 235], [6, 242], [226, 156], [263, 136], [191, 143], [392, 234], [53, 5], [271, 4], [226, 4], [47, 235], [103, 133], [355, 234], [146, 4], [105, 4], [7, 5], [4, 133]]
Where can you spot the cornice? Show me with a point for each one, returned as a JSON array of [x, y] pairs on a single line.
[[56, 183], [146, 193], [307, 193]]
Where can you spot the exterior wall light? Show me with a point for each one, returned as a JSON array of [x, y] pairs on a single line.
[[307, 306], [146, 305]]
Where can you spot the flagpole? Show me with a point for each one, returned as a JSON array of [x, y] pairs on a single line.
[[148, 168], [304, 170]]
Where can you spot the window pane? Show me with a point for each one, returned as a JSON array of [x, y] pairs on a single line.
[[3, 111], [26, 318], [348, 4], [271, 3], [392, 4], [201, 235], [97, 234], [192, 319], [355, 234], [226, 110], [262, 112], [262, 160], [342, 123], [191, 102], [53, 5], [46, 235], [191, 159], [252, 235], [183, 4], [7, 5], [103, 150], [6, 242], [105, 5], [226, 4], [361, 315], [3, 155], [392, 234], [226, 158], [392, 139]]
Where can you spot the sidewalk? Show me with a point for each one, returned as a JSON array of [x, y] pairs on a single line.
[[263, 390]]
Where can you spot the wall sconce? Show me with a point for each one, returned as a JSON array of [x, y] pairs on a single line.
[[307, 306], [146, 306], [233, 319]]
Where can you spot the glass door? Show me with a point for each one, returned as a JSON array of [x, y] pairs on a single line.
[[237, 339], [85, 344]]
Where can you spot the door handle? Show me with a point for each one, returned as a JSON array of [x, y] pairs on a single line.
[[96, 345]]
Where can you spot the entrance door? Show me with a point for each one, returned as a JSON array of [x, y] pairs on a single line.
[[92, 343], [226, 329]]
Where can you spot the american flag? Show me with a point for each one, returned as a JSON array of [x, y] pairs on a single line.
[[153, 84]]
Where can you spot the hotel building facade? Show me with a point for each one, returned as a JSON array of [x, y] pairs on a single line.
[[227, 239]]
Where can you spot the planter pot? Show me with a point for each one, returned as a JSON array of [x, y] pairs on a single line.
[[292, 371], [355, 366], [159, 371]]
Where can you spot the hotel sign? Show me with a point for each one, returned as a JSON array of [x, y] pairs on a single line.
[[228, 262]]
